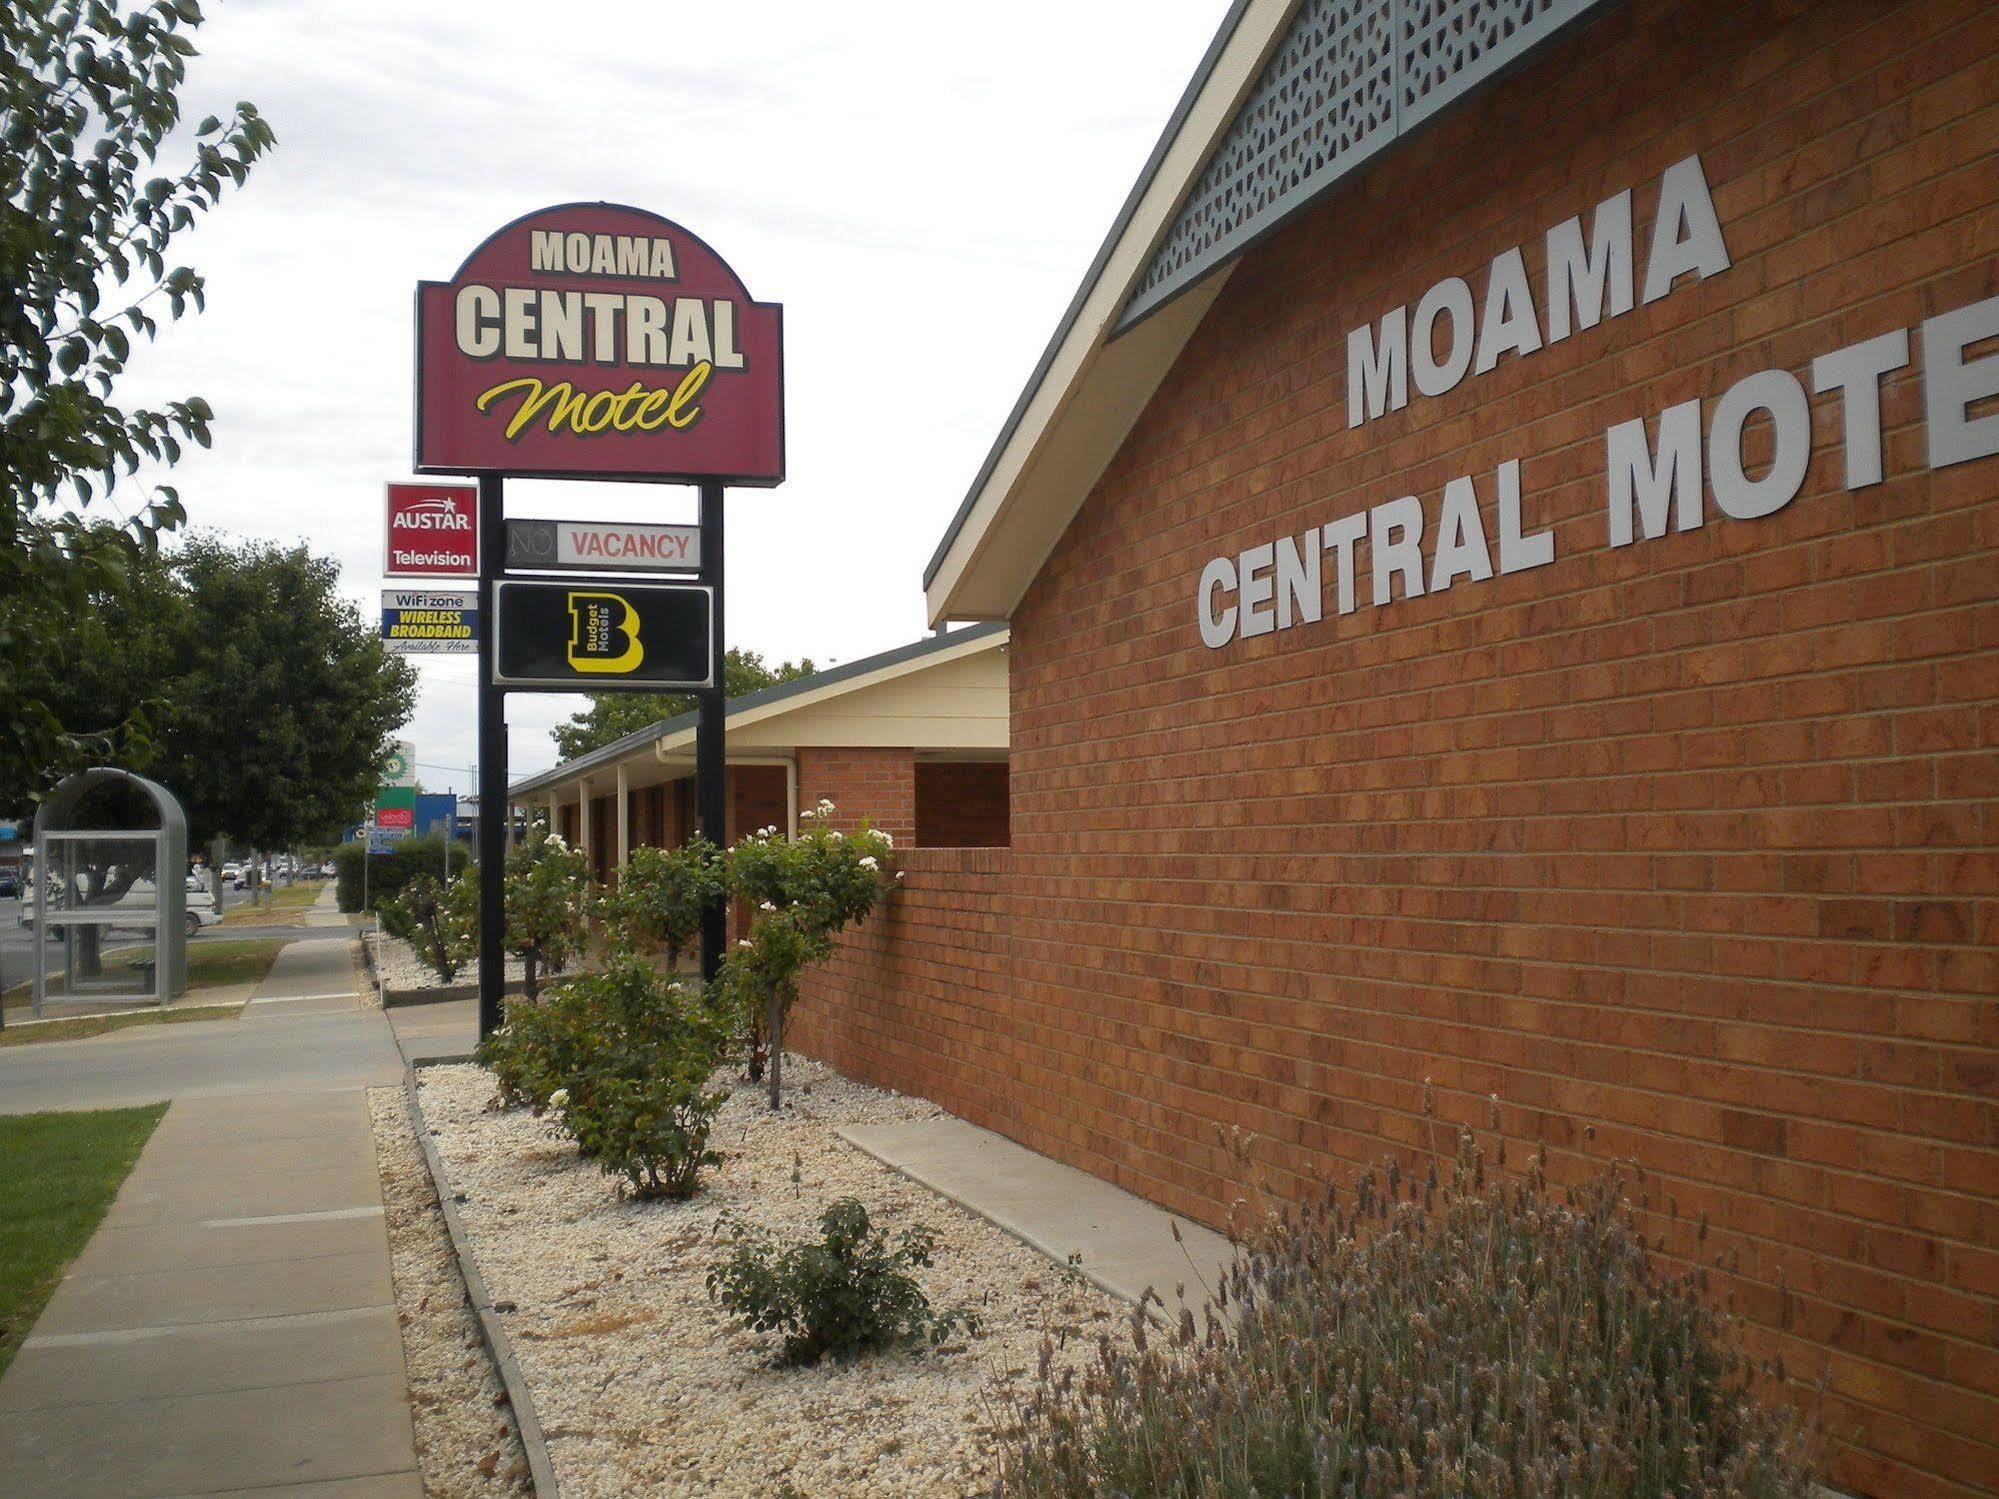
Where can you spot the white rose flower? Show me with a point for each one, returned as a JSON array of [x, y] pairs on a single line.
[[825, 803], [764, 905], [807, 815], [868, 862], [887, 842], [559, 1099], [837, 836], [742, 942]]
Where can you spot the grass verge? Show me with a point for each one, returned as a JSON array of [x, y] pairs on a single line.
[[210, 965], [288, 906], [80, 1027], [58, 1174]]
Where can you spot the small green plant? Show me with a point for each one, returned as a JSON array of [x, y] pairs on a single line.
[[1478, 1337], [849, 1294], [661, 896]]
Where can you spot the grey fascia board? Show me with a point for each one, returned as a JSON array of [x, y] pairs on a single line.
[[1090, 277], [762, 697]]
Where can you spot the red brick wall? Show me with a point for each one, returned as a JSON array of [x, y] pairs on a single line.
[[923, 989], [1695, 841], [961, 804], [756, 799], [876, 786]]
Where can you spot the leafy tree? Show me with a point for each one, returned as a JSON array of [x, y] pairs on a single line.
[[613, 715], [270, 701], [87, 104]]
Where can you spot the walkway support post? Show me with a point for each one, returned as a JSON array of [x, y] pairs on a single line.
[[492, 765], [711, 736]]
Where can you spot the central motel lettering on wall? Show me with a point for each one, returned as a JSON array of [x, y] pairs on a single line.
[[592, 340], [1747, 450]]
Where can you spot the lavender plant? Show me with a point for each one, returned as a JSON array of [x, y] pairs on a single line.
[[1474, 1337]]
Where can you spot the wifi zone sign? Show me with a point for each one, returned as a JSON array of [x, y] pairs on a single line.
[[433, 531]]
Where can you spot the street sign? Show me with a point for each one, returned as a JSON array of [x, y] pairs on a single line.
[[383, 840], [591, 340], [578, 637], [427, 623], [433, 531], [395, 807], [602, 546]]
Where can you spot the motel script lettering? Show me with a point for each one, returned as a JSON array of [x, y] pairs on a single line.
[[1658, 475]]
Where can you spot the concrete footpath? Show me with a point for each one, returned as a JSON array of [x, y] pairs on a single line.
[[231, 1327]]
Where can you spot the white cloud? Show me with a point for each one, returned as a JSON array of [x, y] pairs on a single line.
[[922, 186]]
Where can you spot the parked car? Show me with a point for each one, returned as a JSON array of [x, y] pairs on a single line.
[[10, 883]]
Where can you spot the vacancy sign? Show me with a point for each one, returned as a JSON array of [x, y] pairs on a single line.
[[603, 546], [433, 531]]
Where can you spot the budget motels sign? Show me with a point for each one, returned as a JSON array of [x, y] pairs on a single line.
[[433, 531], [592, 340]]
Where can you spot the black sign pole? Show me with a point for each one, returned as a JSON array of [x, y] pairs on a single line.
[[711, 735], [492, 766]]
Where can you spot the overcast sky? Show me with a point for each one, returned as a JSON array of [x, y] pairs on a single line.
[[922, 186]]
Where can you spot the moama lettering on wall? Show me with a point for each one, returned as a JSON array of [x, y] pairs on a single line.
[[1659, 475]]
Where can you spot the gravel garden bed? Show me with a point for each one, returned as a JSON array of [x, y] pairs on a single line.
[[398, 967], [644, 1386], [466, 1442]]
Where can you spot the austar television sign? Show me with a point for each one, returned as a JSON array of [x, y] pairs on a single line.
[[433, 531], [597, 341]]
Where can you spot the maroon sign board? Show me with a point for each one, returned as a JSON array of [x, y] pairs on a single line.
[[433, 531], [595, 341]]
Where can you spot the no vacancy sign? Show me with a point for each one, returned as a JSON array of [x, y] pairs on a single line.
[[433, 531]]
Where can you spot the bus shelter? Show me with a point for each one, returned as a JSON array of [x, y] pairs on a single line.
[[109, 904]]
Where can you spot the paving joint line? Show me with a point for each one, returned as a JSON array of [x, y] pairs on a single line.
[[111, 1336]]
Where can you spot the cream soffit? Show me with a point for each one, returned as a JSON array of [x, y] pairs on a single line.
[[1083, 398], [673, 739]]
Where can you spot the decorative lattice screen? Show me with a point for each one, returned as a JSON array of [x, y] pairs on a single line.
[[1349, 78]]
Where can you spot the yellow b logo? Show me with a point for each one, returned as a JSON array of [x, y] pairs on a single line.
[[604, 634]]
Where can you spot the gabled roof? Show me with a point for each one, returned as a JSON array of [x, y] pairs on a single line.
[[767, 702], [1292, 98]]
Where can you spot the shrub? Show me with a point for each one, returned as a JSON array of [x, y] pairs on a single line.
[[1464, 1340], [540, 1049], [547, 904], [805, 890], [435, 921], [661, 896], [388, 873], [844, 1296], [623, 1059]]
